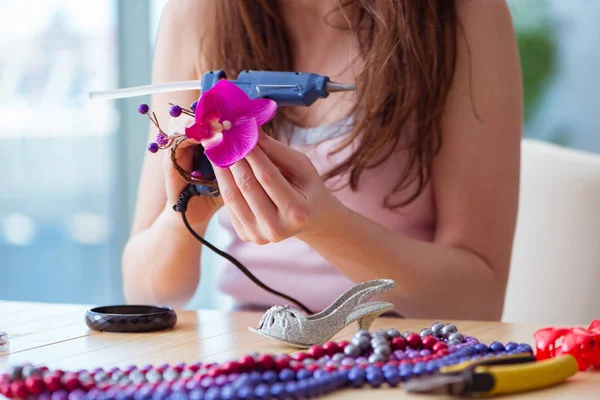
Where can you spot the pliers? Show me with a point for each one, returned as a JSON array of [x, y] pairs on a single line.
[[495, 376]]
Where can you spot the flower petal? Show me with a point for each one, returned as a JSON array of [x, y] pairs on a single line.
[[237, 143], [198, 131], [262, 110], [225, 98]]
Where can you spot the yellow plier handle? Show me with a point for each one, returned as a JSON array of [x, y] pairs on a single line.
[[516, 378]]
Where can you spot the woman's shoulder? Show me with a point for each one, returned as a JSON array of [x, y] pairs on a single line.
[[182, 28]]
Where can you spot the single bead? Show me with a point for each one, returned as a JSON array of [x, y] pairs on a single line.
[[414, 341], [308, 361], [143, 108], [424, 353], [406, 333], [481, 348], [197, 394], [525, 348], [399, 354], [392, 333], [60, 395], [454, 342], [436, 329], [316, 352], [392, 377], [286, 375], [373, 358], [398, 343], [262, 392], [429, 341], [175, 111], [449, 329], [511, 346], [375, 379], [379, 340], [247, 363], [382, 350], [363, 342], [277, 390], [193, 106], [496, 347], [34, 384], [352, 350], [425, 332], [363, 332], [357, 377], [254, 378], [52, 382], [213, 393], [228, 392], [338, 357], [331, 348], [457, 336], [153, 147], [303, 374], [381, 332], [439, 346]]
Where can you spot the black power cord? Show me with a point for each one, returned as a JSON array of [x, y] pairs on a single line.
[[181, 207]]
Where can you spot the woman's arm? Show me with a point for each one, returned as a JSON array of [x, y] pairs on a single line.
[[161, 261], [463, 273]]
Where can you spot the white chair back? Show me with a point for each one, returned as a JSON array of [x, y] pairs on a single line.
[[555, 270]]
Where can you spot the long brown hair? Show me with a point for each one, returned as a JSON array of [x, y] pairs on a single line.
[[408, 52]]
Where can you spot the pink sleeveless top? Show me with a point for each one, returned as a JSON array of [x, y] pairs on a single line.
[[292, 267]]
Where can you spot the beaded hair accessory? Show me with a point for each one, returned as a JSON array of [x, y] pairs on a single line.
[[224, 121]]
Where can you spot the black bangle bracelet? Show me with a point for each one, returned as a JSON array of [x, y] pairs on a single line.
[[132, 318]]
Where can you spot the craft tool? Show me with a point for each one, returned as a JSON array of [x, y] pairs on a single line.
[[497, 376]]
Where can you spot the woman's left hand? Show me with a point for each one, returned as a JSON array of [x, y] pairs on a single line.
[[275, 193]]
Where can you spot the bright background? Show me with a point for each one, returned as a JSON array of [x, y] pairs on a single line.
[[70, 166]]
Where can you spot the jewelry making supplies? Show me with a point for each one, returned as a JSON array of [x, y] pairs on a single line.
[[384, 358]]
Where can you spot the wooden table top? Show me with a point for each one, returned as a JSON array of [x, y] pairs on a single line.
[[56, 336]]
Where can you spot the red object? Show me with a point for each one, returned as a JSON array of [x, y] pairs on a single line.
[[330, 368], [282, 363], [429, 342], [398, 343], [18, 390], [343, 344], [52, 382], [331, 348], [583, 344], [266, 361], [406, 361], [5, 389], [414, 341], [346, 367], [192, 367], [439, 346], [214, 372], [231, 367], [316, 352], [34, 384], [300, 356], [247, 363], [71, 381], [442, 352]]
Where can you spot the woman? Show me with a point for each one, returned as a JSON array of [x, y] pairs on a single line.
[[413, 177]]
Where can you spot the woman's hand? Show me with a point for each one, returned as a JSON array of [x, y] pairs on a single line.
[[201, 208], [275, 193]]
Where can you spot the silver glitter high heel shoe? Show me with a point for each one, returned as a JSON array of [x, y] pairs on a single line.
[[289, 326]]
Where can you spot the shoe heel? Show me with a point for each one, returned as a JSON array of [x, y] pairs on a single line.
[[366, 321]]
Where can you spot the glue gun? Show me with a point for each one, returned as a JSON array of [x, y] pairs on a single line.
[[285, 88]]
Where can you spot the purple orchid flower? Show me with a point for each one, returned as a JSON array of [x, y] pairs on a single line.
[[227, 123]]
